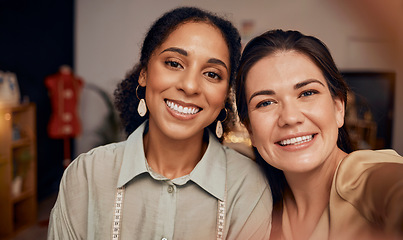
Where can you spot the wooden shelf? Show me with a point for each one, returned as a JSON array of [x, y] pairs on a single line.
[[22, 196], [21, 143], [18, 205]]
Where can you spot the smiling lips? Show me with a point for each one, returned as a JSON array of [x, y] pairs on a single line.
[[296, 140], [181, 109]]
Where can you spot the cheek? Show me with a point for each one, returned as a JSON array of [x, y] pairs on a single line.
[[152, 89], [157, 84], [261, 128], [326, 119], [216, 96], [158, 77]]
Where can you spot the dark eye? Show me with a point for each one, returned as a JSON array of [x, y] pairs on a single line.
[[173, 64], [264, 104], [308, 93], [213, 75]]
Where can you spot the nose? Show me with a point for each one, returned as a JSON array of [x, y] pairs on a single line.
[[290, 114], [189, 82]]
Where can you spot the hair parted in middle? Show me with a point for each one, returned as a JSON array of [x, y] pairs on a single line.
[[126, 100]]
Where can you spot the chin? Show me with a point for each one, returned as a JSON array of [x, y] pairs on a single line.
[[298, 166], [181, 133]]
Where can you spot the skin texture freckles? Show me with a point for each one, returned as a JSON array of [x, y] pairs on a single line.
[[289, 101], [291, 97]]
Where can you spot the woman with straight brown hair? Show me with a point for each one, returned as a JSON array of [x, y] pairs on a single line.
[[292, 99]]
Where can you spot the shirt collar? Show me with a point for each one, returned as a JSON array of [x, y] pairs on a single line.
[[209, 173], [134, 160]]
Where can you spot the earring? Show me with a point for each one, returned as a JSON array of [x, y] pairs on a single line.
[[142, 108], [219, 129]]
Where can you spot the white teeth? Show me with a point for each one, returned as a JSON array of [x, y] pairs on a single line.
[[296, 141], [181, 109]]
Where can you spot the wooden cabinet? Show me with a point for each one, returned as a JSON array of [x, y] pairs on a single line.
[[18, 169]]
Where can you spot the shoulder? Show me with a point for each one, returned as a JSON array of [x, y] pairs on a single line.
[[383, 155], [249, 197], [97, 161], [371, 182], [241, 164], [356, 168], [364, 159], [243, 173]]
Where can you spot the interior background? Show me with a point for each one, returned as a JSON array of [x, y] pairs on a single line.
[[101, 40]]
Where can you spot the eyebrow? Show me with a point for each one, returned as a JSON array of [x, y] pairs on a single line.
[[185, 53], [263, 92], [177, 50], [296, 86], [217, 61], [306, 82]]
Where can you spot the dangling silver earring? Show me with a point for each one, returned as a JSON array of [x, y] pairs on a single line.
[[219, 129], [142, 108]]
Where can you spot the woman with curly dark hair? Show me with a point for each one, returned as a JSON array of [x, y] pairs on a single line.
[[172, 178]]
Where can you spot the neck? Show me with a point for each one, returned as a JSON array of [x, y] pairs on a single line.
[[307, 189], [308, 195], [173, 158]]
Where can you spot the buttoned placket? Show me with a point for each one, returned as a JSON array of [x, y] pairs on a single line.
[[161, 197], [167, 209]]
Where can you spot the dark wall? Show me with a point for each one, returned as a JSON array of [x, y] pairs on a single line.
[[36, 38]]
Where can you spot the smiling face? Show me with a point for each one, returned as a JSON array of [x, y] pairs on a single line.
[[187, 80], [294, 120]]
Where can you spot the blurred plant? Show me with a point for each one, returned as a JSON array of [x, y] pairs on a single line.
[[110, 129]]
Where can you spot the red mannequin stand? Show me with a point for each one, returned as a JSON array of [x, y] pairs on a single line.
[[64, 90]]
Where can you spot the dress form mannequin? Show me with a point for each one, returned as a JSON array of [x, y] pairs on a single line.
[[64, 89]]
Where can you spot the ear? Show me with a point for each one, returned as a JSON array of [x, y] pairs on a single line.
[[143, 78], [339, 111]]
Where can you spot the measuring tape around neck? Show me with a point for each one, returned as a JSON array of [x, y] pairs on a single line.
[[117, 216]]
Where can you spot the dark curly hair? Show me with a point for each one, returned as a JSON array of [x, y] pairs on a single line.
[[126, 101], [276, 41]]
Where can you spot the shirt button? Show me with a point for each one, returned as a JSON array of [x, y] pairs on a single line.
[[170, 190], [164, 238]]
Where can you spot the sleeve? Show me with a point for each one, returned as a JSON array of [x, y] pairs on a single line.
[[258, 224], [250, 201], [68, 218], [60, 226], [372, 181]]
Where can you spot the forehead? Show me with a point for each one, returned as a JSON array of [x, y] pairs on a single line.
[[196, 32], [281, 68]]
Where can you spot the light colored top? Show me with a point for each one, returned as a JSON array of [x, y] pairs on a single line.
[[366, 199], [156, 207]]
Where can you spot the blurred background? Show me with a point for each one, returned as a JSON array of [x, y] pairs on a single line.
[[100, 41]]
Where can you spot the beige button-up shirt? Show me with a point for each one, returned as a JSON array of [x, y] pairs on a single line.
[[155, 207], [366, 199]]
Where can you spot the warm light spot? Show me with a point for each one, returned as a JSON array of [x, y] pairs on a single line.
[[7, 116]]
